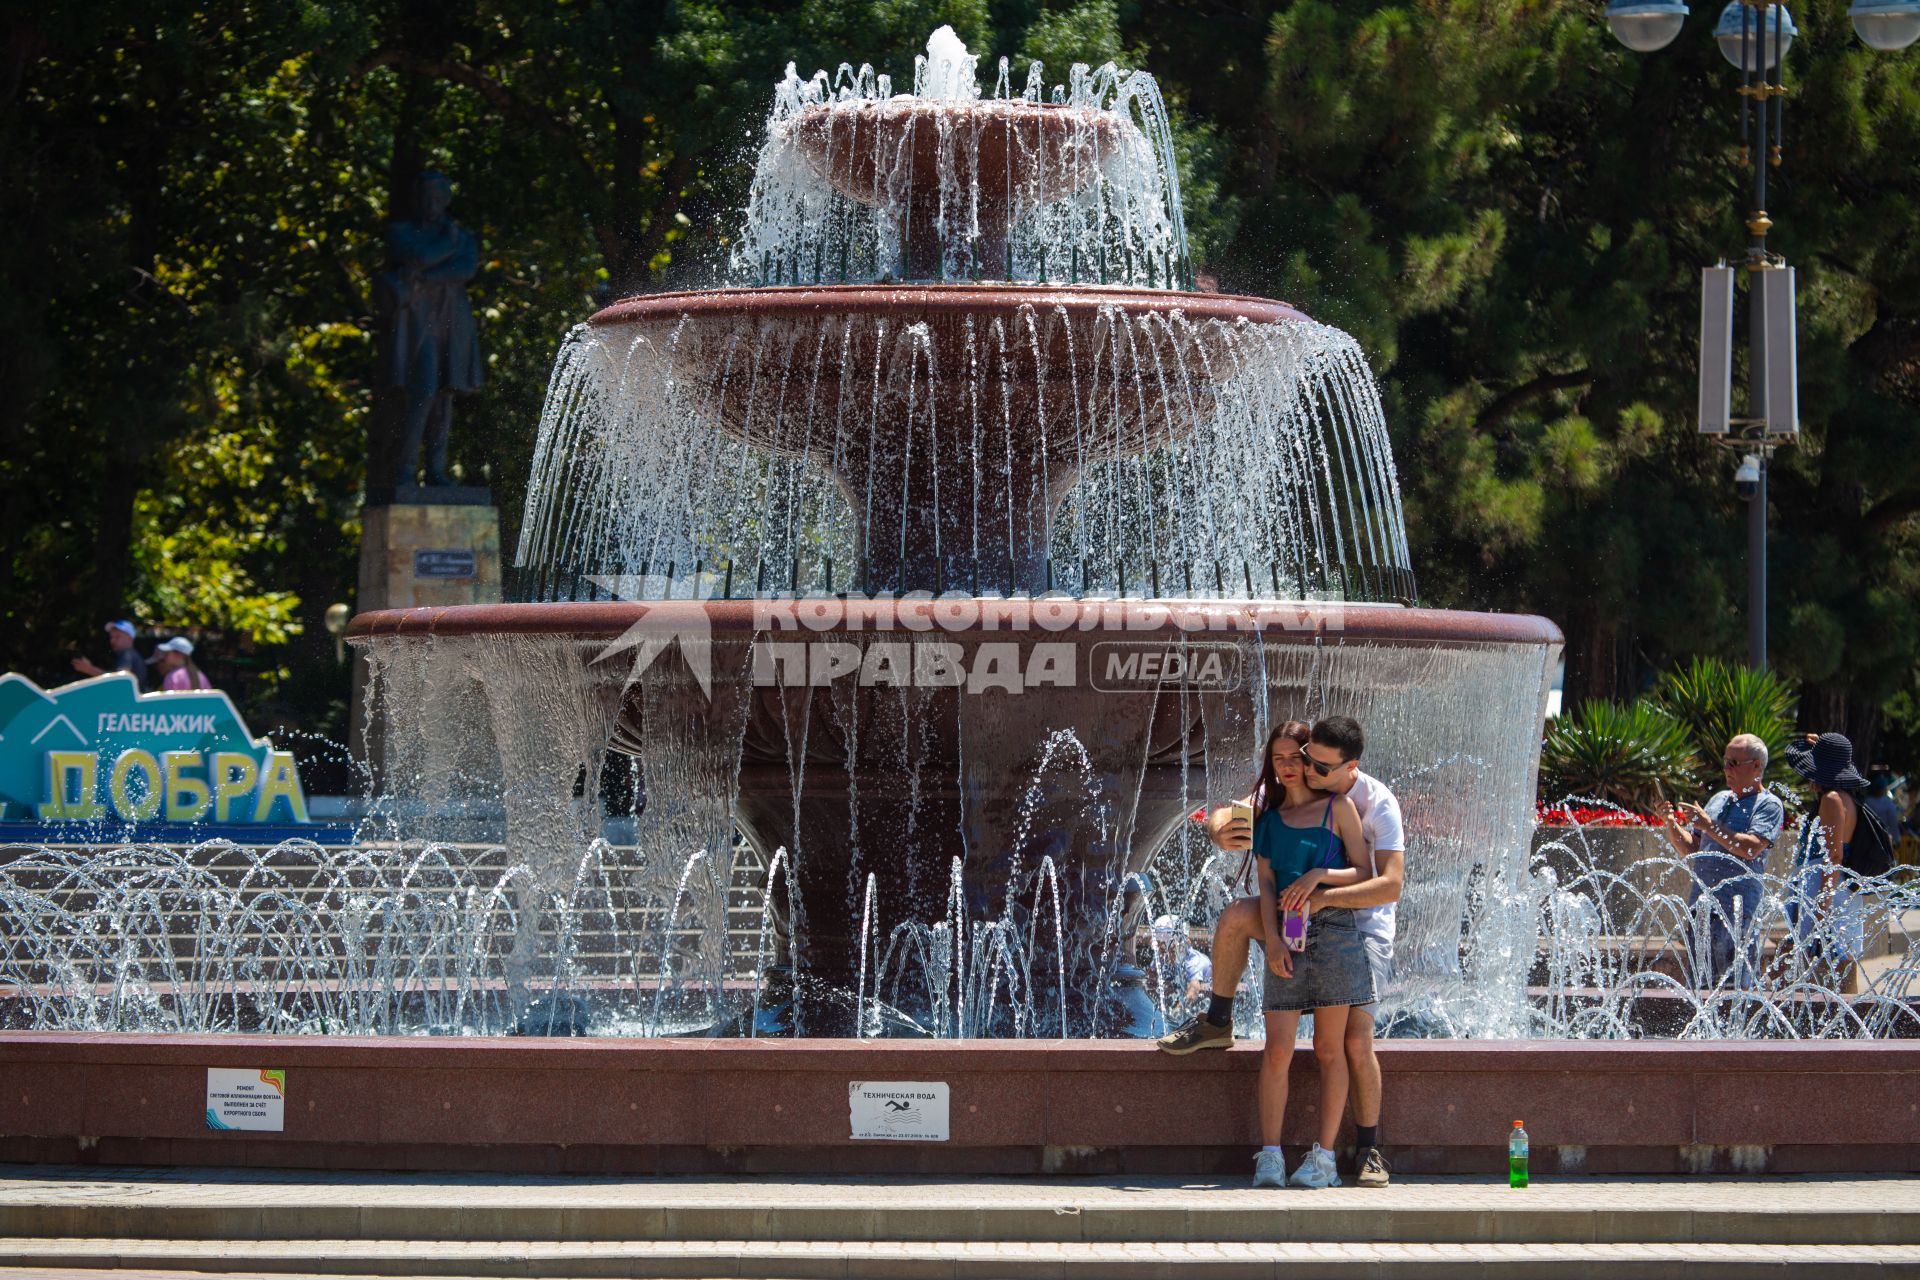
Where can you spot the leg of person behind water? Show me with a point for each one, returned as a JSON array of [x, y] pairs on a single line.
[[1743, 901]]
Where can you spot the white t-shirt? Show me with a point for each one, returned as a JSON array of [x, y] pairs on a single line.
[[1380, 825], [1197, 968]]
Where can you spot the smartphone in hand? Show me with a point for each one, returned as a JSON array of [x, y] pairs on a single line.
[[1240, 811], [1293, 930]]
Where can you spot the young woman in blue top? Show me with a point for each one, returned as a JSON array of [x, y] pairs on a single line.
[[1303, 839]]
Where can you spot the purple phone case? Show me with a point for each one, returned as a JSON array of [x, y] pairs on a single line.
[[1293, 929]]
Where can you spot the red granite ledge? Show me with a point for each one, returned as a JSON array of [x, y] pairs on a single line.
[[890, 299], [1275, 621], [1228, 1160], [866, 1059]]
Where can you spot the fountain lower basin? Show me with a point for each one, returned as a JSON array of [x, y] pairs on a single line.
[[899, 739]]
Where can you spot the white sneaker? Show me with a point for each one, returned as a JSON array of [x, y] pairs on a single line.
[[1316, 1171], [1269, 1169]]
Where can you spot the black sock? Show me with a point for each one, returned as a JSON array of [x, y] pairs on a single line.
[[1220, 1011], [1366, 1135]]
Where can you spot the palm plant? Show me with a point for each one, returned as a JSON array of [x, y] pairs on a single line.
[[1718, 700], [1622, 754]]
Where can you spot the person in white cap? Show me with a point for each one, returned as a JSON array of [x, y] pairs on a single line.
[[178, 674], [125, 656]]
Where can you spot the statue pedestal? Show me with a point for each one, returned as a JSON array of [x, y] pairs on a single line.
[[422, 547]]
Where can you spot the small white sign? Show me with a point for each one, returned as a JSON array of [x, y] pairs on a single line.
[[247, 1098], [898, 1110]]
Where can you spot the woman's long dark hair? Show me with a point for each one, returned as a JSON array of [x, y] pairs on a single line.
[[1267, 791]]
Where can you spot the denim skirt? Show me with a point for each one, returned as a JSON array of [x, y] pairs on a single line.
[[1332, 970]]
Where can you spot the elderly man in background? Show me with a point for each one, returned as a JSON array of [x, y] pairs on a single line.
[[1725, 843]]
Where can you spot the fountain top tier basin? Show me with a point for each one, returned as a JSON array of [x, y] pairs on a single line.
[[1018, 152], [856, 182]]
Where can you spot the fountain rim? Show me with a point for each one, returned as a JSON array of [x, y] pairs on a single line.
[[922, 298], [1301, 622]]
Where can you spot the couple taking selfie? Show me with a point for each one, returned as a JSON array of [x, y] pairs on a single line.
[[1327, 842]]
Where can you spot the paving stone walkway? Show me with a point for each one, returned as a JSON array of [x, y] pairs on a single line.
[[172, 1223]]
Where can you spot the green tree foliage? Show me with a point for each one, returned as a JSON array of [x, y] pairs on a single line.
[[1508, 209]]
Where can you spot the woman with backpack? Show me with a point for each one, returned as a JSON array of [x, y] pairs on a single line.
[[1839, 843]]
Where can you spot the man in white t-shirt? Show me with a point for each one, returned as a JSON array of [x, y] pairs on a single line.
[[1332, 764]]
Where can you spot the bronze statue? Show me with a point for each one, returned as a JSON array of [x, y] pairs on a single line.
[[430, 348]]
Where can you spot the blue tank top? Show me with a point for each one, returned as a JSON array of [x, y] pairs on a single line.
[[1293, 851]]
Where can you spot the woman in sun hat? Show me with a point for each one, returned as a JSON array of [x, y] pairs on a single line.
[[178, 672], [1824, 904]]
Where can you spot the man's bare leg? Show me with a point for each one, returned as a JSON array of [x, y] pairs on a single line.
[[1363, 1075], [1233, 937], [1363, 1064], [1232, 941]]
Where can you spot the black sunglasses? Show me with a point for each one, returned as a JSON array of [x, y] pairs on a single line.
[[1324, 770]]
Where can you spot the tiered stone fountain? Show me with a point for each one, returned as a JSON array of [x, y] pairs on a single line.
[[965, 423]]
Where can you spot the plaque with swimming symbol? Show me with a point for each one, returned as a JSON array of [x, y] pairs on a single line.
[[898, 1110]]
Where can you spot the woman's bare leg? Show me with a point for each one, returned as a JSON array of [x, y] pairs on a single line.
[[1274, 1063], [1330, 1053]]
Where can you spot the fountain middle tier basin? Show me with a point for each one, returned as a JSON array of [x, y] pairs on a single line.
[[904, 738], [955, 418]]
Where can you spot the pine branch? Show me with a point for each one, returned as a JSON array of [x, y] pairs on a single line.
[[1513, 397]]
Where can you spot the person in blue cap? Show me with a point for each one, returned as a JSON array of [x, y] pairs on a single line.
[[125, 656]]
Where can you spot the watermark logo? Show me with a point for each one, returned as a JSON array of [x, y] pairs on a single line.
[[664, 623], [1136, 666], [1013, 644]]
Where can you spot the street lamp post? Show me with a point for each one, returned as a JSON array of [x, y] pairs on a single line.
[[1754, 35]]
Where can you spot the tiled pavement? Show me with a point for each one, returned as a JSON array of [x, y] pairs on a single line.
[[169, 1223]]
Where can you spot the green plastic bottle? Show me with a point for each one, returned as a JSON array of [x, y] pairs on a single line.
[[1517, 1156]]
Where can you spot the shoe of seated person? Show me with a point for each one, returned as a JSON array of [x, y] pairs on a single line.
[[1197, 1033], [1373, 1170], [1316, 1171], [1269, 1169]]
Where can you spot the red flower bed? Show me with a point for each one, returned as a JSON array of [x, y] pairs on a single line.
[[1584, 816]]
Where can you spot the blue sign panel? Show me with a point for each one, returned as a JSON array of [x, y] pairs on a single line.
[[101, 751], [444, 564]]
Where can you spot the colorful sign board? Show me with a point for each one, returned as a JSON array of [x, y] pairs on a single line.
[[898, 1110], [101, 751], [247, 1098]]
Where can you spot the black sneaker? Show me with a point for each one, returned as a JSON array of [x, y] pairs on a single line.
[[1372, 1169]]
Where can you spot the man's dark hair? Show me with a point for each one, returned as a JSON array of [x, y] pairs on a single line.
[[1342, 733]]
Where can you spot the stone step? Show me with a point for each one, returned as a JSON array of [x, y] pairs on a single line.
[[143, 1205], [960, 1260]]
